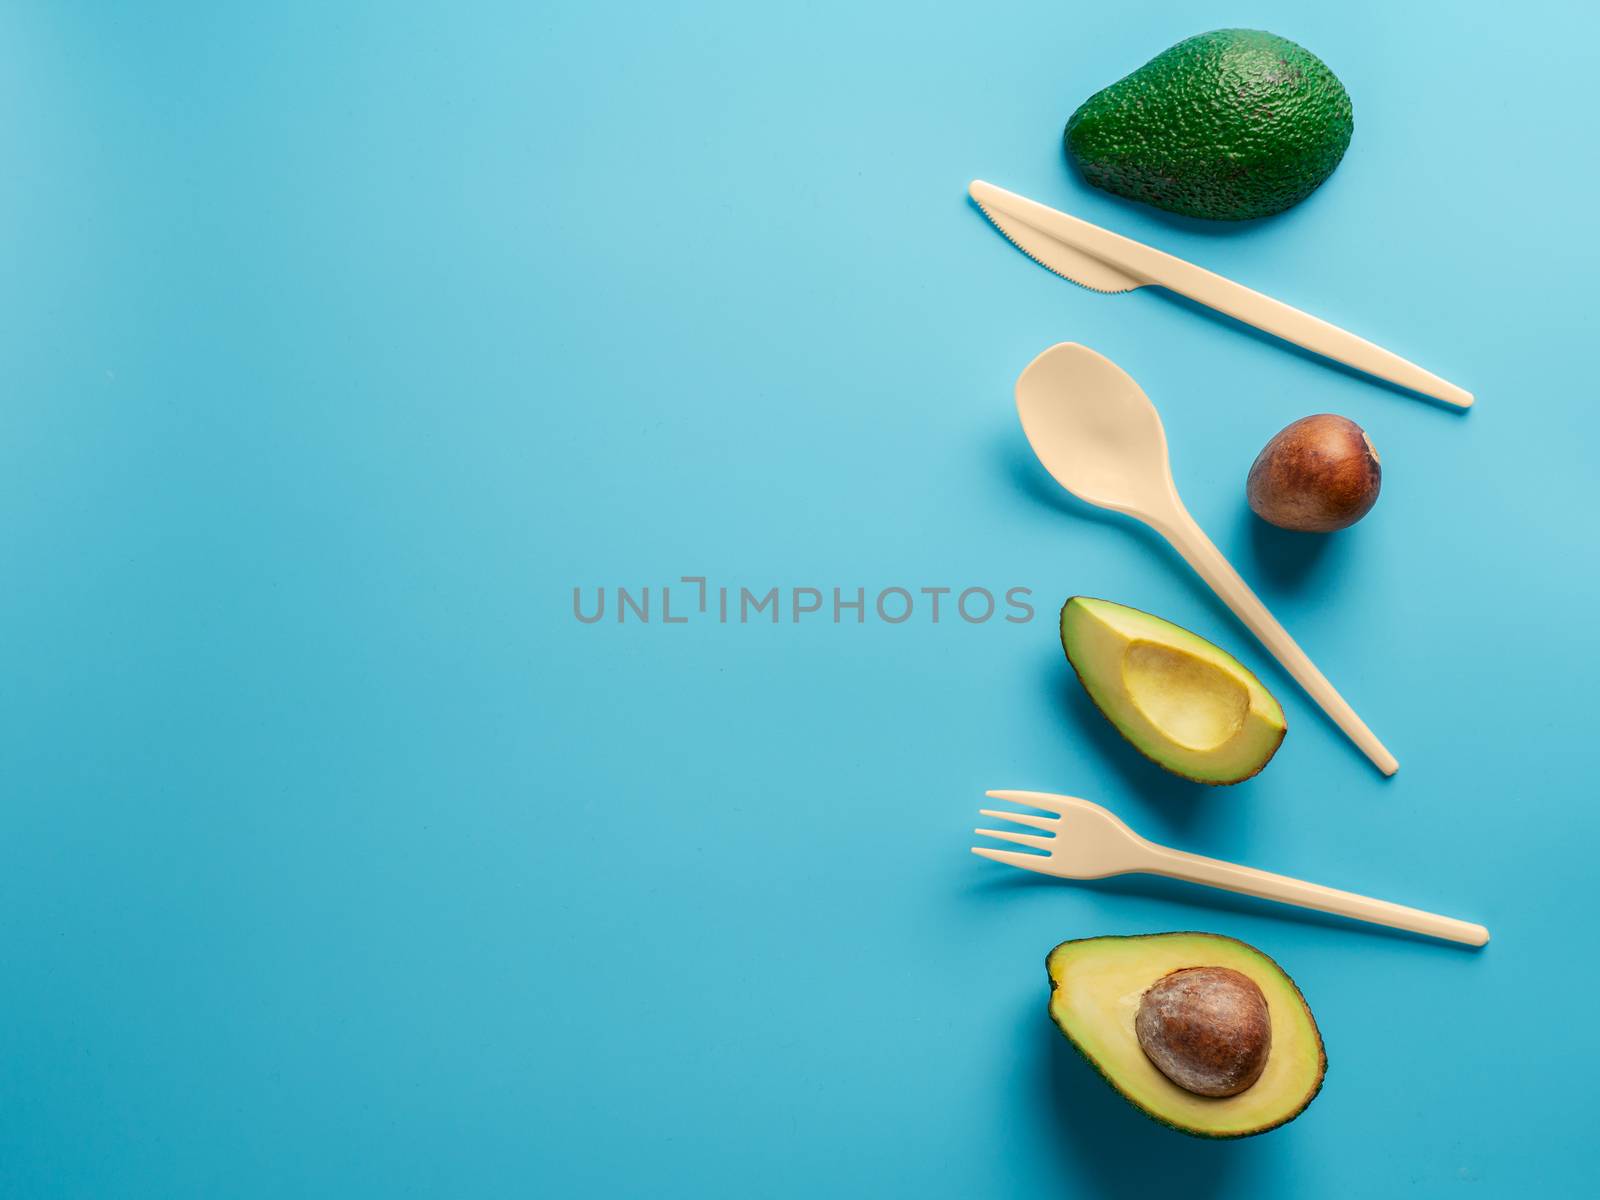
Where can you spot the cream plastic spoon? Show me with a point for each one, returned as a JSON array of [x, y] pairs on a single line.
[[1099, 436]]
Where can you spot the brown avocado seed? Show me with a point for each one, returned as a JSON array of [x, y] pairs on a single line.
[[1319, 474], [1207, 1029]]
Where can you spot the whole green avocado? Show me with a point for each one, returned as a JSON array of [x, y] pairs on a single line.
[[1226, 125]]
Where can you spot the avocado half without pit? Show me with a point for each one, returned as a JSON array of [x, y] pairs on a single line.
[[1184, 703], [1203, 1033]]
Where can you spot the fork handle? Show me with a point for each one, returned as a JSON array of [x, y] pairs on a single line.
[[1175, 864]]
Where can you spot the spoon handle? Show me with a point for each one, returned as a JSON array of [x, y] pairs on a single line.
[[1175, 864], [1190, 541]]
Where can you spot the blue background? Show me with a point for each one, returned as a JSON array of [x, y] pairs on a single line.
[[341, 342]]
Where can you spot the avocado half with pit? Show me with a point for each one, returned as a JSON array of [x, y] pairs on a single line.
[[1185, 704], [1202, 1032]]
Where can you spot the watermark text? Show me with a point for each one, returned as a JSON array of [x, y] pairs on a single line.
[[695, 598]]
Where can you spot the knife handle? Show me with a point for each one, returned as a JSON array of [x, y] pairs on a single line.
[[1292, 325]]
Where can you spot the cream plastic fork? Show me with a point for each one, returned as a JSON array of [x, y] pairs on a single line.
[[1099, 436], [1091, 842]]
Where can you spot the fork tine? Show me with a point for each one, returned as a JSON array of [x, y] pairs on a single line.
[[1013, 858], [1036, 822], [1021, 839], [1042, 800]]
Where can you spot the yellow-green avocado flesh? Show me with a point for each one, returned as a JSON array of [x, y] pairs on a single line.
[[1184, 703], [1095, 988]]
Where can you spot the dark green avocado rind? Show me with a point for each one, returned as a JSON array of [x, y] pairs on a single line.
[[1061, 632], [1322, 1050], [1227, 125]]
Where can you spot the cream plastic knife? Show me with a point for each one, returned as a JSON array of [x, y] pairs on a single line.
[[1103, 261]]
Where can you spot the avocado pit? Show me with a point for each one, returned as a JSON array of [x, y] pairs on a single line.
[[1207, 1029], [1319, 474]]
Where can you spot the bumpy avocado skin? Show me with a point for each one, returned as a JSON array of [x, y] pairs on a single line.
[[1226, 125]]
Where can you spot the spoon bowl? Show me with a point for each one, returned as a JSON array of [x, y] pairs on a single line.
[[1096, 431]]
